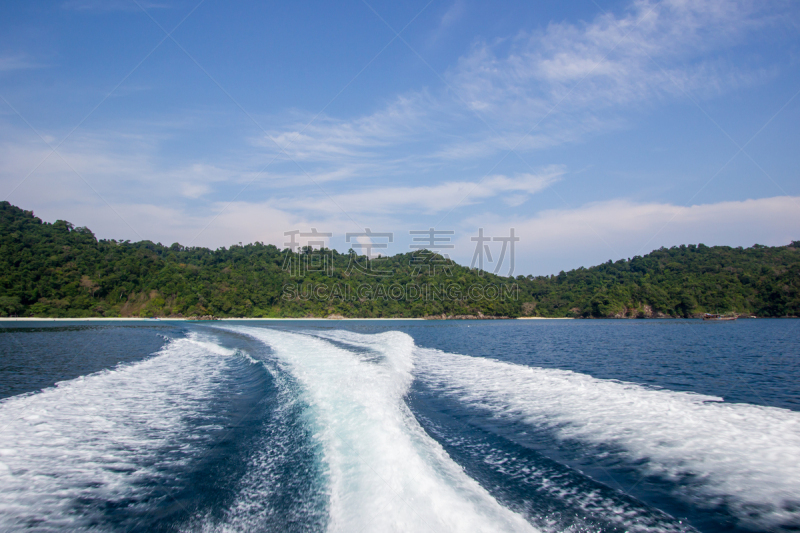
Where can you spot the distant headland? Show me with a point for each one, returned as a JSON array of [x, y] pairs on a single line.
[[61, 271]]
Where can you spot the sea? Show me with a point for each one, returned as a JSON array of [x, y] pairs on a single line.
[[400, 425]]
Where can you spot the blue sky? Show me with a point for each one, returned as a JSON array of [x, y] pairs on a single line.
[[597, 130]]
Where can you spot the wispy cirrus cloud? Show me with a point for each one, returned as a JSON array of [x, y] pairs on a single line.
[[17, 62], [570, 80], [558, 85], [430, 199], [421, 152], [111, 5], [121, 165], [327, 139], [652, 50]]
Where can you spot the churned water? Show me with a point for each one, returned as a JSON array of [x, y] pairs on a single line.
[[400, 426]]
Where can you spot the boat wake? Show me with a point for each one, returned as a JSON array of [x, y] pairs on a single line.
[[365, 433], [740, 457], [385, 473], [548, 495], [74, 452]]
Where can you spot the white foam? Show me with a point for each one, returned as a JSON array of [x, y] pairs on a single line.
[[96, 437], [746, 456], [385, 472], [274, 454]]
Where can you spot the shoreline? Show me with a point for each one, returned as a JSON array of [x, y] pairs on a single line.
[[545, 318], [176, 319], [140, 319]]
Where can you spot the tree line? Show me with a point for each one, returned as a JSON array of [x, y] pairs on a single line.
[[59, 270]]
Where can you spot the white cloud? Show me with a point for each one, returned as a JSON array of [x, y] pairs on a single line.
[[195, 190], [221, 224], [385, 165], [551, 240], [429, 199], [110, 5], [119, 166], [16, 62], [328, 139], [653, 49], [569, 80], [562, 239]]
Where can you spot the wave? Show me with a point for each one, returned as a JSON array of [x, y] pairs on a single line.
[[283, 483], [91, 443], [740, 457], [339, 447], [548, 494], [384, 472]]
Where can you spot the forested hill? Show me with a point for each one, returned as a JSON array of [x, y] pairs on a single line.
[[57, 270]]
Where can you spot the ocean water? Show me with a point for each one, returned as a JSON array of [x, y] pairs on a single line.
[[355, 426]]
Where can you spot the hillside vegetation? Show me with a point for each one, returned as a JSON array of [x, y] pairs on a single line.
[[58, 270]]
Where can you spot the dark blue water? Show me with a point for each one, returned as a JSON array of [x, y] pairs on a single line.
[[175, 426], [35, 356]]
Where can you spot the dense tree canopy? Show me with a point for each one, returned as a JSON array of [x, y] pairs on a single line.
[[58, 270], [681, 281]]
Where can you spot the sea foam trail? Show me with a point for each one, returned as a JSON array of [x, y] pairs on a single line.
[[385, 473], [94, 438], [563, 500], [741, 456], [283, 486]]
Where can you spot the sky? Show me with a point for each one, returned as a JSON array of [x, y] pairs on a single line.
[[594, 130]]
